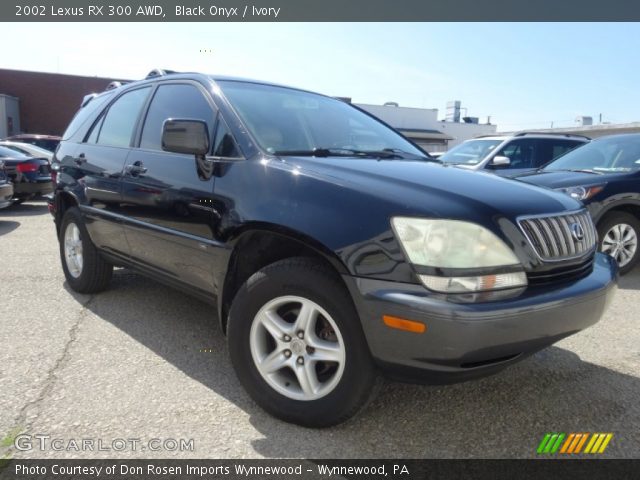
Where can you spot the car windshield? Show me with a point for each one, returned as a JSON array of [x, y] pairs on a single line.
[[10, 153], [470, 152], [286, 121], [619, 154]]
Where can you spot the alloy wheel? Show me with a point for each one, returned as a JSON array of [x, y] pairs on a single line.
[[621, 242], [297, 348], [73, 250]]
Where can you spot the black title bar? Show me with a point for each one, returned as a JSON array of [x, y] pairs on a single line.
[[317, 10]]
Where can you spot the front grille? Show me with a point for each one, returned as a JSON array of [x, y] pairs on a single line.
[[557, 237], [563, 274]]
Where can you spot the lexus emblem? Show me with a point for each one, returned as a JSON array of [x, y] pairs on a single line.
[[577, 232]]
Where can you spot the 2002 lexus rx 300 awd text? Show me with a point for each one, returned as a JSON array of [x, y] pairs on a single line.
[[333, 248]]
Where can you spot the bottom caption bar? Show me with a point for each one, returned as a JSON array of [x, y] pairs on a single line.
[[317, 469]]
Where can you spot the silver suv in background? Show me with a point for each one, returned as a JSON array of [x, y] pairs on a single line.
[[511, 154]]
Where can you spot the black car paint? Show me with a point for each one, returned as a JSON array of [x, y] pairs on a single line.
[[180, 221], [619, 189]]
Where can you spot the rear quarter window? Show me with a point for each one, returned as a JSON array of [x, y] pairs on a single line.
[[84, 117]]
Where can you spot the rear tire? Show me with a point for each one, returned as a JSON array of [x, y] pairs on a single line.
[[619, 234], [297, 346], [85, 270]]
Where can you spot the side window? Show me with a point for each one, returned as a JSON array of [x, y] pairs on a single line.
[[120, 120], [562, 147], [223, 144], [520, 152], [86, 113], [174, 101], [93, 137]]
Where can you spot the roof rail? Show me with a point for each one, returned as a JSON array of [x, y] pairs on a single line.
[[113, 85], [159, 72], [559, 134], [87, 98]]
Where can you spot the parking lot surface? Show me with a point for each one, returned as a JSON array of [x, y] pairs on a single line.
[[141, 362]]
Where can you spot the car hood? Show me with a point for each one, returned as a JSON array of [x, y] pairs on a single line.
[[430, 189], [561, 179]]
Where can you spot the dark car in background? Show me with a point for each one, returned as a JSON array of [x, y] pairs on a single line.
[[332, 247], [48, 142], [605, 176], [31, 176], [511, 154], [6, 187]]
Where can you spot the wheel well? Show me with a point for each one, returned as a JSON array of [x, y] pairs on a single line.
[[64, 201], [628, 208], [256, 250]]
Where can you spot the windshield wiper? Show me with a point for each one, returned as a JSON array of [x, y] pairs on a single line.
[[584, 170], [338, 152], [413, 156]]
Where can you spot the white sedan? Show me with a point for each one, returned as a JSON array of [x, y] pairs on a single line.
[[28, 149]]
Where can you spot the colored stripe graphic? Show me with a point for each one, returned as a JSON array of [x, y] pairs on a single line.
[[582, 440], [567, 443], [551, 443], [573, 443], [605, 442], [591, 442], [555, 448], [543, 443], [599, 442]]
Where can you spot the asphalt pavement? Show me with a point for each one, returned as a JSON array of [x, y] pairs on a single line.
[[145, 366]]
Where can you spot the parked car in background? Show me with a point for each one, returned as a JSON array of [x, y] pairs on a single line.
[[31, 176], [28, 149], [332, 246], [6, 187], [605, 176], [511, 154], [48, 142]]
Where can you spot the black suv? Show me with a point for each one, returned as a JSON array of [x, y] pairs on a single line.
[[605, 176], [332, 247]]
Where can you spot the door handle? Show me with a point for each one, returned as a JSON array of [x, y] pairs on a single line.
[[80, 159], [137, 168]]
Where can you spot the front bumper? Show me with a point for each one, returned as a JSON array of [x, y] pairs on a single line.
[[468, 340]]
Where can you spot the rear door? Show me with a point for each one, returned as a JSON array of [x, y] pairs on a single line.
[[97, 167], [168, 197]]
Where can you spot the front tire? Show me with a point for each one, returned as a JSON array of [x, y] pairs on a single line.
[[619, 234], [297, 346], [85, 270]]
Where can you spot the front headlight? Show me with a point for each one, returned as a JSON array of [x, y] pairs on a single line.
[[454, 244], [581, 193]]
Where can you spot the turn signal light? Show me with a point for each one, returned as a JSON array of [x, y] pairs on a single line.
[[403, 324]]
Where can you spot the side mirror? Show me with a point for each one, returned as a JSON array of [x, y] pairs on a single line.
[[500, 161], [185, 136]]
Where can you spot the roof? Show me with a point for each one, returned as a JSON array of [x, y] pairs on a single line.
[[420, 133]]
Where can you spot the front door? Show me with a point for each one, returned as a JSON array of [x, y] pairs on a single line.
[[168, 197]]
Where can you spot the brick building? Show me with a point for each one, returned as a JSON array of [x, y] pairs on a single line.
[[47, 101]]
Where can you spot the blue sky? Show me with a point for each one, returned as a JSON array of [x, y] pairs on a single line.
[[523, 75]]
